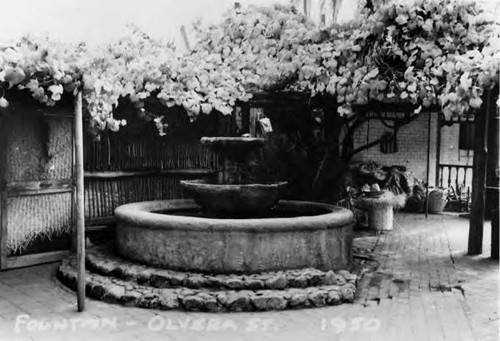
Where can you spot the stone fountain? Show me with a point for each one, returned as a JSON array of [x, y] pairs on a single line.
[[235, 226], [235, 247]]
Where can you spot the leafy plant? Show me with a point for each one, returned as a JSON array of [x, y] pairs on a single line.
[[428, 52]]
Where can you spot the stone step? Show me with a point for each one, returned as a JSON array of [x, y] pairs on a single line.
[[130, 293], [102, 260]]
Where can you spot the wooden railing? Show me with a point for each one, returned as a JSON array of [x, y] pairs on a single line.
[[455, 175], [458, 178]]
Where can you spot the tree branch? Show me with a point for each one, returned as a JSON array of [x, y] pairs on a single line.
[[347, 141], [347, 155], [367, 146]]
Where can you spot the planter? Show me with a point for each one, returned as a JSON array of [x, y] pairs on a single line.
[[381, 218], [380, 209], [437, 201]]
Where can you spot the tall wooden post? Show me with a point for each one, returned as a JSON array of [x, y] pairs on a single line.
[[79, 204], [493, 174], [428, 164], [438, 148], [3, 194], [476, 222]]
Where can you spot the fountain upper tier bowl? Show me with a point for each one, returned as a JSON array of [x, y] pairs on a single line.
[[235, 149]]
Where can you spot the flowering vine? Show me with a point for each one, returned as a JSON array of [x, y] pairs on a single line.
[[428, 52]]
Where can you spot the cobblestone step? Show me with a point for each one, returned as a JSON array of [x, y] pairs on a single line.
[[102, 260], [131, 293]]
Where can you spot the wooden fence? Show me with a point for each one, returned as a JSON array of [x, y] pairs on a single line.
[[129, 166], [37, 173], [36, 187]]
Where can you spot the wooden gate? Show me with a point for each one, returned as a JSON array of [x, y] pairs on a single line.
[[36, 184]]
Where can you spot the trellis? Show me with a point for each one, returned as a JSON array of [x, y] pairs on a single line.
[[37, 183]]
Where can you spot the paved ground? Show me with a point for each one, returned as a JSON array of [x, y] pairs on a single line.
[[425, 289]]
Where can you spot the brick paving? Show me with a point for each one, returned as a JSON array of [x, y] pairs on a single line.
[[426, 288]]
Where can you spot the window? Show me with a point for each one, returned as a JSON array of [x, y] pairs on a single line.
[[389, 144], [466, 136]]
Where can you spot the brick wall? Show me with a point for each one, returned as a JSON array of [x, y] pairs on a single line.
[[412, 145]]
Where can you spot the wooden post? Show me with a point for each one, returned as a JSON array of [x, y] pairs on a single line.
[[438, 149], [476, 222], [492, 175], [492, 165], [3, 195], [495, 222], [428, 165], [79, 204], [74, 234]]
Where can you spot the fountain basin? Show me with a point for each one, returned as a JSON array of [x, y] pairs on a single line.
[[234, 198], [162, 233]]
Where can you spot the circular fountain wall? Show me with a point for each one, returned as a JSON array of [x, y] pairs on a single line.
[[174, 235]]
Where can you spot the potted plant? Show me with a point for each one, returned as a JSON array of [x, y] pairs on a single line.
[[380, 205]]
